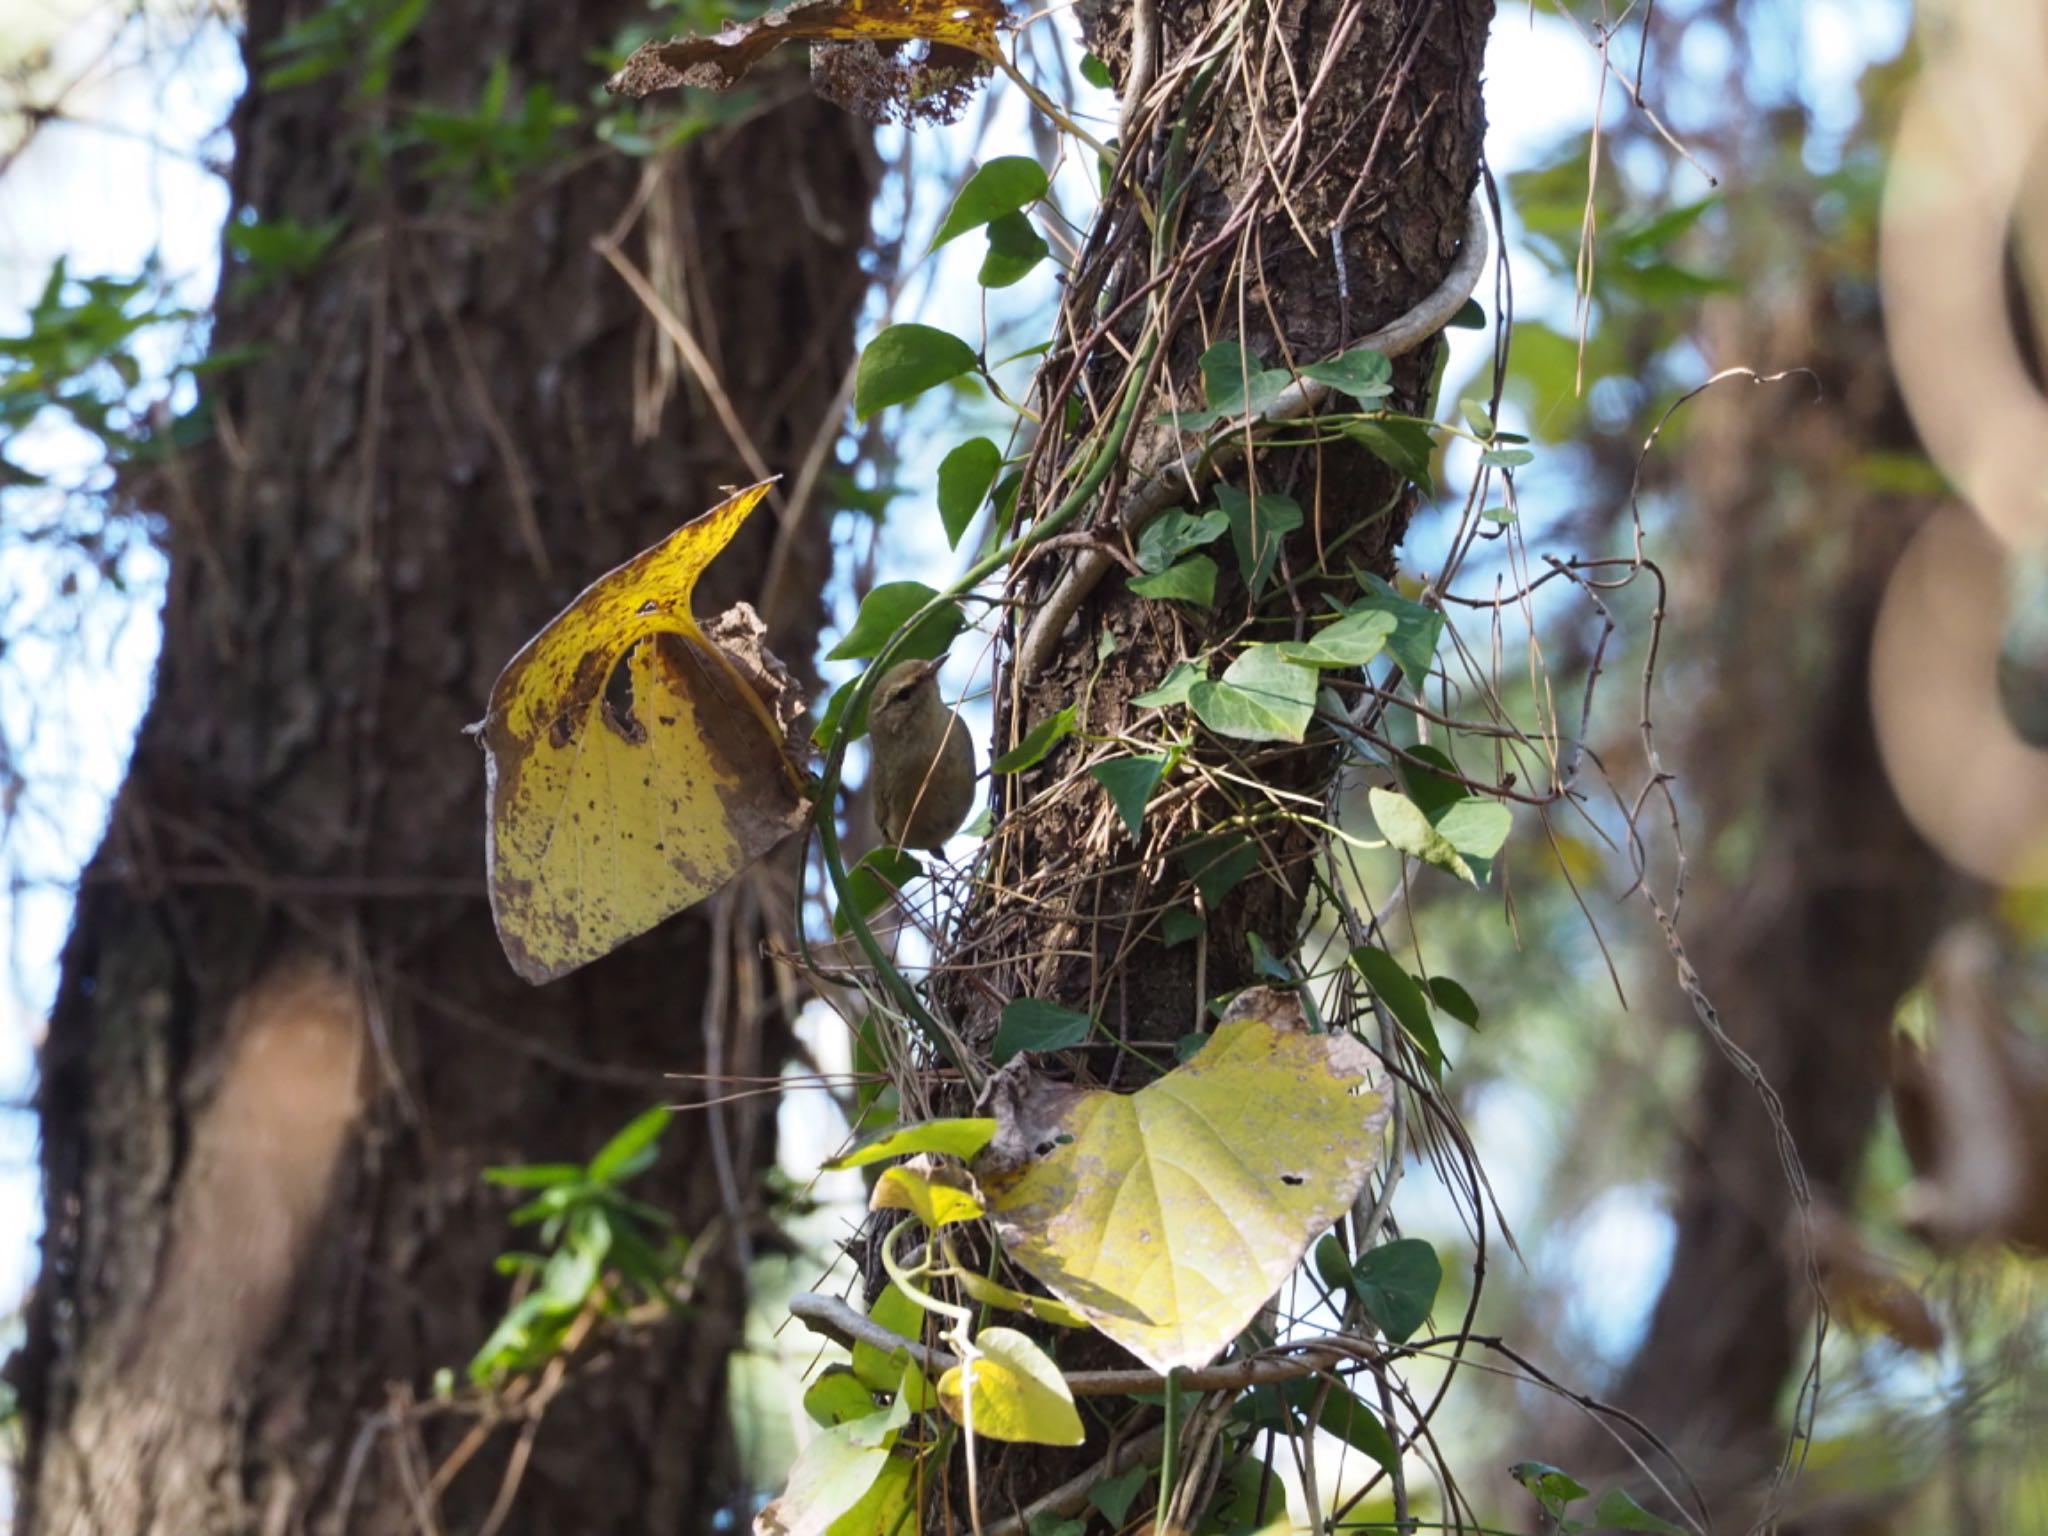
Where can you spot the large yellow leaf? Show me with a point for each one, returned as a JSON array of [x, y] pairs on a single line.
[[722, 60], [1168, 1216], [633, 767]]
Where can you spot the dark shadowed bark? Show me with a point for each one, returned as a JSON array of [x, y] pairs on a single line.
[[286, 1041]]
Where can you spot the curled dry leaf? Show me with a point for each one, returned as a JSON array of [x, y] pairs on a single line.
[[1168, 1216], [635, 762], [860, 64]]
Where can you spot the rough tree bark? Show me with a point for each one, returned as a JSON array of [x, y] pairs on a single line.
[[286, 1041]]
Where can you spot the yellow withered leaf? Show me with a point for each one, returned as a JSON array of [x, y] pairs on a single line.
[[720, 61], [1168, 1216], [633, 766]]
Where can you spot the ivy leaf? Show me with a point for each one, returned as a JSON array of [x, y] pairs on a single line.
[[1216, 864], [1506, 458], [903, 362], [1234, 383], [1173, 533], [1470, 317], [887, 609], [1174, 690], [1041, 739], [1096, 73], [1399, 443], [1404, 998], [1014, 248], [1417, 629], [1361, 373], [1478, 418], [1479, 825], [1032, 1024], [1352, 641], [1257, 529], [1114, 1495], [1193, 580], [1129, 782], [965, 476], [1261, 697], [1003, 186], [1397, 1283], [1346, 1416], [873, 882]]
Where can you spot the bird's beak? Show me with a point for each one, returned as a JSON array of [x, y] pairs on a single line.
[[931, 667]]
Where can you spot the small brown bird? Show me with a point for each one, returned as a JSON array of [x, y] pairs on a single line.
[[923, 757]]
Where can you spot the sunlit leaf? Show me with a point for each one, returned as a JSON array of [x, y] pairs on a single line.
[[930, 1199], [633, 765], [1261, 697], [961, 1138], [833, 1476], [1015, 1391], [1352, 641], [1168, 1216]]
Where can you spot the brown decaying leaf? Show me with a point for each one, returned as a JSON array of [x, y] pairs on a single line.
[[1973, 1108], [965, 27], [1866, 1289]]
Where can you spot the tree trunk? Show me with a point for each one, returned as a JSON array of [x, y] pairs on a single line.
[[1290, 152], [286, 1042]]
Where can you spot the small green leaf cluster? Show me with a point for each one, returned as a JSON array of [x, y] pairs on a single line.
[[1617, 1510], [494, 144], [605, 1249], [81, 357]]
